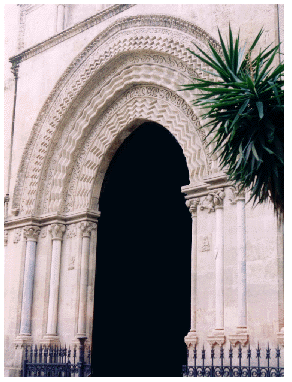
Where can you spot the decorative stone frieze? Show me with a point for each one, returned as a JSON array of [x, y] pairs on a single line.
[[57, 231], [17, 235], [71, 230]]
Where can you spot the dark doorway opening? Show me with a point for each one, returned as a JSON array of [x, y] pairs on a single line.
[[142, 285]]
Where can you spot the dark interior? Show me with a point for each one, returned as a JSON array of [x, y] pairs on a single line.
[[142, 285]]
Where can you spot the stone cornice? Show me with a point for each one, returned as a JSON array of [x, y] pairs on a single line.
[[52, 219], [208, 184], [70, 32]]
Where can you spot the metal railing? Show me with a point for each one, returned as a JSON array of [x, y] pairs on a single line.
[[247, 365], [54, 361]]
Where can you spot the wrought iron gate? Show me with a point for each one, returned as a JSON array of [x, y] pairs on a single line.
[[246, 366], [55, 361]]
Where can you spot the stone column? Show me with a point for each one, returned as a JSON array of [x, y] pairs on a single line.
[[31, 234], [86, 228], [57, 231], [219, 260], [241, 335], [60, 18], [191, 338], [217, 203], [280, 259]]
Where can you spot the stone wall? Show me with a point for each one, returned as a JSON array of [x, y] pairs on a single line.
[[116, 88]]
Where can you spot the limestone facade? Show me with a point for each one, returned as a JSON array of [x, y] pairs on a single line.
[[84, 77]]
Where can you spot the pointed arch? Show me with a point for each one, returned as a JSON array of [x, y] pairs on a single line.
[[149, 51]]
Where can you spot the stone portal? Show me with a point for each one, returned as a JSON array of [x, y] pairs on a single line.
[[142, 287]]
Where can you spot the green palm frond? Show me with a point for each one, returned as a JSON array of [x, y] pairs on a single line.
[[244, 103]]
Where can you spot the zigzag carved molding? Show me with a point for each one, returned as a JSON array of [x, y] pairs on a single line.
[[140, 39]]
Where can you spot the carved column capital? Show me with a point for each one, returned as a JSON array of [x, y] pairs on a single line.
[[237, 194], [192, 205], [207, 203], [57, 231], [31, 233], [218, 196], [86, 228], [213, 200]]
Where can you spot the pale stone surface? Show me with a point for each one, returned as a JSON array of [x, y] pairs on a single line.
[[130, 72]]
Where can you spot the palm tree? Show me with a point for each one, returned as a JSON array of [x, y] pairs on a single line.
[[243, 101]]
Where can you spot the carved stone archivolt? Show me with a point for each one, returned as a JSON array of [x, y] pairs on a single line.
[[158, 34]]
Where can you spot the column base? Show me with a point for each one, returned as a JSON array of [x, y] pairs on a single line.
[[217, 337], [23, 340], [51, 340], [76, 340], [280, 337], [240, 337], [191, 339]]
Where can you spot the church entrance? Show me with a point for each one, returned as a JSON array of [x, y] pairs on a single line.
[[142, 284]]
